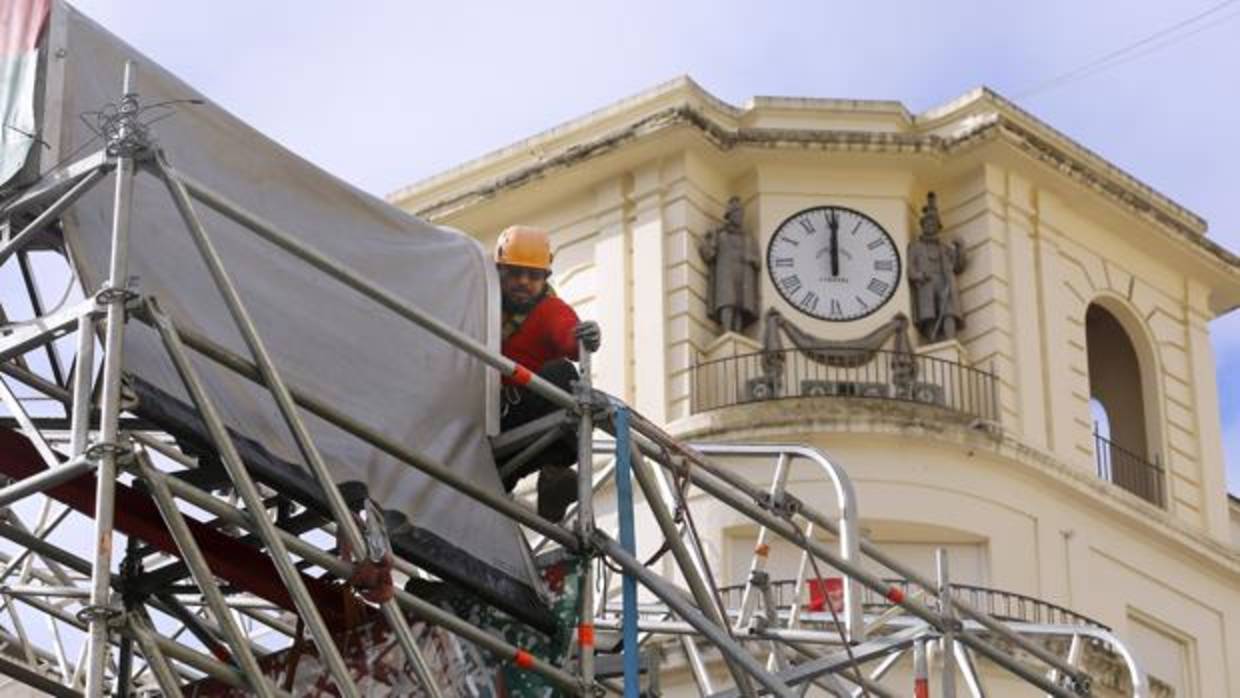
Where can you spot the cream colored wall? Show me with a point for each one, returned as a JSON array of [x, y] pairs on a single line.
[[1036, 263], [1041, 249]]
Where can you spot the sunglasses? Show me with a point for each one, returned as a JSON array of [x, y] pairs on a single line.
[[524, 272]]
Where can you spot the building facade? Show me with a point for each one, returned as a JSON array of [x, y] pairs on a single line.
[[1058, 430]]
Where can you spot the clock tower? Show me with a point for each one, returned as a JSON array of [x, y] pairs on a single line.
[[1000, 336]]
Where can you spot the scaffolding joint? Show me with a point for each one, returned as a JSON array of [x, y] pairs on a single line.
[[375, 533], [596, 402], [1081, 684], [127, 294], [122, 451], [591, 544], [113, 616], [758, 625], [759, 578], [781, 504], [126, 136]]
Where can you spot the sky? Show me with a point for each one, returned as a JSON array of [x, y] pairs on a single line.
[[402, 90]]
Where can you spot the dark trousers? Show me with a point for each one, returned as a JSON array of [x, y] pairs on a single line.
[[521, 406]]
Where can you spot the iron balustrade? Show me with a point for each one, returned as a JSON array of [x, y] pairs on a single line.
[[1005, 605], [880, 374], [1127, 470]]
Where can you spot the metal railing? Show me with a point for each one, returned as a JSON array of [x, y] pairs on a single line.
[[1005, 605], [881, 374], [1126, 469]]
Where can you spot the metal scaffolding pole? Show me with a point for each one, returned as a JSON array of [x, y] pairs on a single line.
[[265, 529], [202, 574], [585, 517], [948, 643], [690, 614], [505, 505], [114, 296], [167, 680], [86, 180], [680, 553], [722, 485], [341, 569], [628, 541]]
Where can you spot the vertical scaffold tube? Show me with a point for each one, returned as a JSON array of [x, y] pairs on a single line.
[[921, 674], [109, 420], [628, 541], [585, 519], [945, 608]]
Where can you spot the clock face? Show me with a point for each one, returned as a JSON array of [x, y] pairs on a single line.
[[833, 263]]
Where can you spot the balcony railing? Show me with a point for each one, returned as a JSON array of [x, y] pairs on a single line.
[[1004, 605], [1128, 470], [882, 374]]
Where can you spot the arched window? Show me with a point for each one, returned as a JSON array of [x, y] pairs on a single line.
[[1118, 403]]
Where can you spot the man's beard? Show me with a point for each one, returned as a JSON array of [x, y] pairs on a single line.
[[514, 306]]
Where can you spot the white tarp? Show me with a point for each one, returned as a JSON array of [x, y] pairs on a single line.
[[326, 339]]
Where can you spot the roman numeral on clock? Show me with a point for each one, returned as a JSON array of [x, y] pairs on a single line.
[[875, 244], [785, 262], [809, 227], [810, 302], [884, 265], [790, 284], [878, 287], [836, 309]]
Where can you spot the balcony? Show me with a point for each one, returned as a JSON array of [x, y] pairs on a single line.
[[882, 375], [1128, 470]]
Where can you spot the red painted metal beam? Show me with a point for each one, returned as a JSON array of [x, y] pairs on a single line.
[[242, 565]]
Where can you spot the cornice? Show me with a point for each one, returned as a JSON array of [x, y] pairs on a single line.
[[984, 117]]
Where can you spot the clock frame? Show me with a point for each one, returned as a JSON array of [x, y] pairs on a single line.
[[850, 281]]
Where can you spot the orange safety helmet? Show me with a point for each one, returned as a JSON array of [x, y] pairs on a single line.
[[524, 246]]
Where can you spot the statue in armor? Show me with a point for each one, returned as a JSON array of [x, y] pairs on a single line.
[[932, 269], [734, 261]]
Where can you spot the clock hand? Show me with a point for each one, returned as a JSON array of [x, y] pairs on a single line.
[[833, 222]]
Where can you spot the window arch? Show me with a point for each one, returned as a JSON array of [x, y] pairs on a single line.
[[1122, 387]]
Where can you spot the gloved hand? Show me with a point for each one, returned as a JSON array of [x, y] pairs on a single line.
[[589, 334]]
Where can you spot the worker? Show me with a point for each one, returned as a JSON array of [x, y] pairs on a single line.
[[541, 333]]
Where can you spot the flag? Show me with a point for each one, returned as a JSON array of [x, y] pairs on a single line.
[[21, 23]]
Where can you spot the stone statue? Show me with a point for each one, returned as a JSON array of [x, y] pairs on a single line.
[[734, 261], [932, 269]]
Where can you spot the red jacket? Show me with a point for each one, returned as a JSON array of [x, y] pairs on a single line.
[[547, 334]]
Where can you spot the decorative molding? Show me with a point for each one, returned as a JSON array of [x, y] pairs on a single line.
[[1007, 123]]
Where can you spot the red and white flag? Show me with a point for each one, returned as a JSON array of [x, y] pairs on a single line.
[[21, 24]]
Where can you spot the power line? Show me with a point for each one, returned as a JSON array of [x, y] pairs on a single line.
[[1165, 44], [1130, 52]]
